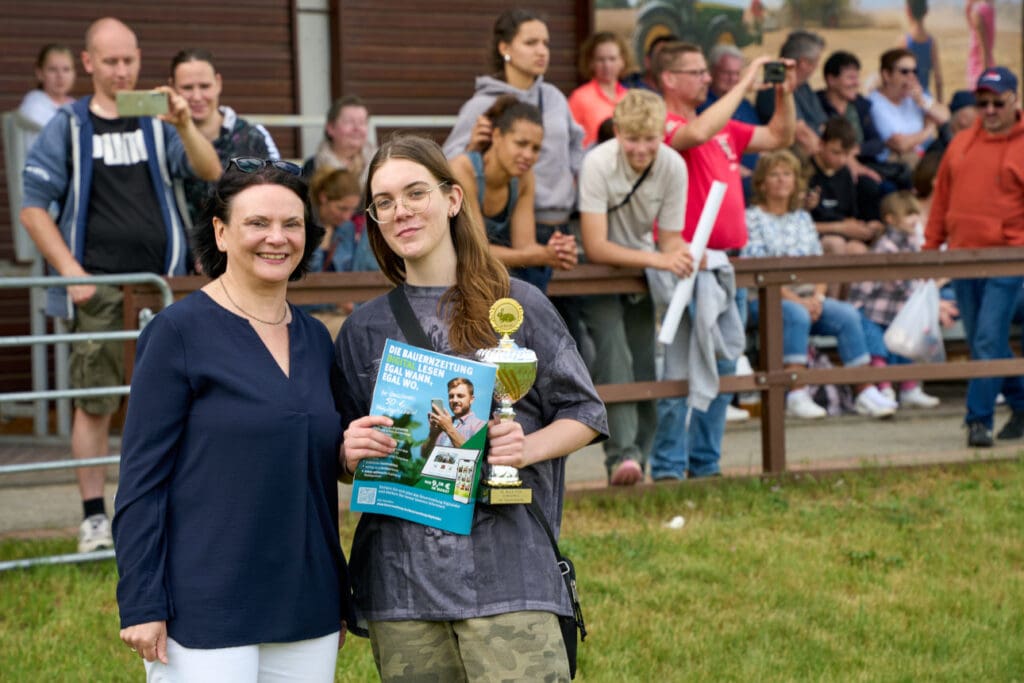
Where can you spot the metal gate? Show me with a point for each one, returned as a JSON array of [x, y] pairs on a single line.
[[145, 316]]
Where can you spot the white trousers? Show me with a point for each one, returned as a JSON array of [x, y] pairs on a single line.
[[309, 661]]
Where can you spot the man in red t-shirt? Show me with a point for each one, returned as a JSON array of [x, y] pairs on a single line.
[[711, 144]]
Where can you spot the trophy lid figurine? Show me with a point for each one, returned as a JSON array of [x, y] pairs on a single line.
[[517, 370]]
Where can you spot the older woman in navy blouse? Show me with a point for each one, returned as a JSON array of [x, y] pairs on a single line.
[[226, 522]]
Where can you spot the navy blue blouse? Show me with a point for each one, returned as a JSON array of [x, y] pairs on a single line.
[[226, 515]]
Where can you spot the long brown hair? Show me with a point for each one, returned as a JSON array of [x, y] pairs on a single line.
[[480, 278]]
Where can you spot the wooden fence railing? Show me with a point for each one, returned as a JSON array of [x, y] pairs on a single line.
[[766, 276]]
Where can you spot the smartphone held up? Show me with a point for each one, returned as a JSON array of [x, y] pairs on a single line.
[[141, 103], [774, 72]]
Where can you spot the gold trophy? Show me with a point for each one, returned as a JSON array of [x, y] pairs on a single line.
[[517, 370]]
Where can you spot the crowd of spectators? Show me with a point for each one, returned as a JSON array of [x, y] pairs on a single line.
[[840, 173], [617, 173]]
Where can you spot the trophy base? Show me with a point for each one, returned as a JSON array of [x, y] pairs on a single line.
[[504, 495]]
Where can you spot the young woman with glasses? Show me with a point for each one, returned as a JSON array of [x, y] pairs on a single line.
[[434, 601], [520, 54], [226, 523]]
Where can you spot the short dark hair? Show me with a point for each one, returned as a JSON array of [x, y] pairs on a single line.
[[887, 62], [838, 128], [839, 60], [192, 54], [456, 381], [668, 55], [918, 8], [664, 38], [204, 242], [801, 43], [337, 105]]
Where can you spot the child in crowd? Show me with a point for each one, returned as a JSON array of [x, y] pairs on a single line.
[[880, 301], [925, 48], [837, 215]]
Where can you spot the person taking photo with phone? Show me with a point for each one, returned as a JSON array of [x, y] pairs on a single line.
[[111, 176]]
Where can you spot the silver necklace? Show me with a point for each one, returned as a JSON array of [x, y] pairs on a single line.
[[247, 313]]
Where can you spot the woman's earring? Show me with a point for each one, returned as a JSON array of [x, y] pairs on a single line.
[[508, 57]]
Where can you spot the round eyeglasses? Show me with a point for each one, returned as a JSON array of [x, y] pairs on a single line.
[[415, 199]]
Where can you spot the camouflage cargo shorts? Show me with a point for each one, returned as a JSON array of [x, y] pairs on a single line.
[[517, 646]]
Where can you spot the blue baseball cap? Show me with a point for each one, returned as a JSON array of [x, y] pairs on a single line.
[[961, 99], [997, 79]]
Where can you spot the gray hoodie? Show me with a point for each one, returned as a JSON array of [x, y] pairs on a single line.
[[561, 153]]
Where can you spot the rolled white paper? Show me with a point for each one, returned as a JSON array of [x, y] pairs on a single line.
[[684, 288]]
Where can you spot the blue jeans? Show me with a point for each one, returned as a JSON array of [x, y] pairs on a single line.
[[874, 336], [695, 452], [986, 308], [838, 319]]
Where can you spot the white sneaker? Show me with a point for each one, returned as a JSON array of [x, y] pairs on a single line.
[[800, 404], [916, 398], [734, 414], [94, 534], [889, 393], [872, 403]]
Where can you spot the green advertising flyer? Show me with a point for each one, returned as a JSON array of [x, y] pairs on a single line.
[[439, 406]]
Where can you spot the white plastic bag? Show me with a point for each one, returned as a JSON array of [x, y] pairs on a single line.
[[915, 332]]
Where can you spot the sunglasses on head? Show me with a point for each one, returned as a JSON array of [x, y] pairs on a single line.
[[255, 165]]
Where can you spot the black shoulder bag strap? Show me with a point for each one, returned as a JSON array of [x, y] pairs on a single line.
[[407, 321], [415, 335], [629, 196], [564, 565]]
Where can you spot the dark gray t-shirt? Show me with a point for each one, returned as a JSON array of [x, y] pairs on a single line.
[[403, 570]]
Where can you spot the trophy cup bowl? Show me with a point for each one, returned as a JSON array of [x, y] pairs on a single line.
[[517, 370]]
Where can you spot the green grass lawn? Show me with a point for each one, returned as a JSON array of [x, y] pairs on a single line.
[[880, 575]]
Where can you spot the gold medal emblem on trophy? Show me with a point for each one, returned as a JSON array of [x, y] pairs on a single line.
[[517, 370]]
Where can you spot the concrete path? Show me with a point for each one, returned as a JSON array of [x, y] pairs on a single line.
[[47, 503]]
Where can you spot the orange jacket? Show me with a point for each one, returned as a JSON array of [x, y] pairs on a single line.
[[979, 191]]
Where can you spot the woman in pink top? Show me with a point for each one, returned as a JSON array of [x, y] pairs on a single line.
[[981, 20], [604, 57]]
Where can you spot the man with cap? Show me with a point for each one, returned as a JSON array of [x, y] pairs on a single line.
[[962, 114], [979, 202]]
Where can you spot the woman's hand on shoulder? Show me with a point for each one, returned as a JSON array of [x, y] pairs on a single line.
[[480, 137], [361, 440], [149, 640], [506, 441]]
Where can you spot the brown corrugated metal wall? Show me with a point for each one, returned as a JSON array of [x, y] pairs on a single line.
[[410, 58]]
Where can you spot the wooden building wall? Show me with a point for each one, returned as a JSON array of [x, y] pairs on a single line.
[[410, 58]]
